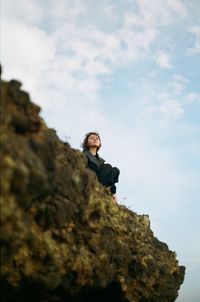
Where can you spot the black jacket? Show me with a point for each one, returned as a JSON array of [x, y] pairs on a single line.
[[107, 175], [93, 162]]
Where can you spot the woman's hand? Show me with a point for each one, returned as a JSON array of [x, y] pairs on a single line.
[[114, 196]]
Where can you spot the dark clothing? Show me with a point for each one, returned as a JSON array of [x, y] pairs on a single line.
[[106, 174]]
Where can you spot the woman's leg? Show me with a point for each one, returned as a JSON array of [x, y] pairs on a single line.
[[116, 173], [108, 176]]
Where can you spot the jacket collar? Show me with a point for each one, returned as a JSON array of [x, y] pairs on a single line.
[[92, 158]]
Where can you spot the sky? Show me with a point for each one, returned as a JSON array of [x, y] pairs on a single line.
[[129, 69]]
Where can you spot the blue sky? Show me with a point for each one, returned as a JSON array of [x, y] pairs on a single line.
[[131, 71]]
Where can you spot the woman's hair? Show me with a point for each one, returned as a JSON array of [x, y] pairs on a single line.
[[84, 144]]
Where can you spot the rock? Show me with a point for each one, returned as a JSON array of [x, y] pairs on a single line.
[[63, 238]]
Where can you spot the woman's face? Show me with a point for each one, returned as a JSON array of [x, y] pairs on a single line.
[[93, 141]]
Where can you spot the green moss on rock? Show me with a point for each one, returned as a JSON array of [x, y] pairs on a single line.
[[63, 238]]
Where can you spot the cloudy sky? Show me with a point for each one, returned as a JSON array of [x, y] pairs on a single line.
[[129, 69]]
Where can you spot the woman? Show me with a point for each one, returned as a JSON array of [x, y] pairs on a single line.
[[106, 174]]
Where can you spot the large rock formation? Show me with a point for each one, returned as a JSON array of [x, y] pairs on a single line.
[[62, 236]]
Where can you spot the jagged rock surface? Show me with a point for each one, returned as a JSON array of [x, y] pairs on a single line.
[[62, 236]]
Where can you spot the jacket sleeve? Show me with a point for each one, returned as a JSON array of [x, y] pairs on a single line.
[[113, 189], [90, 164]]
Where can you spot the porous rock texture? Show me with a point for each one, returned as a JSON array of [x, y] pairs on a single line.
[[63, 238]]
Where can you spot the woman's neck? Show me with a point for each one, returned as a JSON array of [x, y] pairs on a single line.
[[93, 150]]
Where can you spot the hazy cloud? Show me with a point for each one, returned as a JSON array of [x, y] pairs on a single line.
[[195, 30], [178, 83], [193, 97], [163, 60]]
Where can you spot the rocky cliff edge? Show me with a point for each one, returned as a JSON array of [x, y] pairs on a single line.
[[62, 236]]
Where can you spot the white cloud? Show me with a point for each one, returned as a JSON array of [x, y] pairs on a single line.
[[27, 52], [63, 64], [25, 11], [163, 60], [180, 78], [171, 102], [177, 7], [171, 107], [193, 97], [161, 12], [30, 45], [178, 83], [88, 49], [195, 30]]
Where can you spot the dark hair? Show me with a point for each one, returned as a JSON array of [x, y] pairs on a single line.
[[84, 144]]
